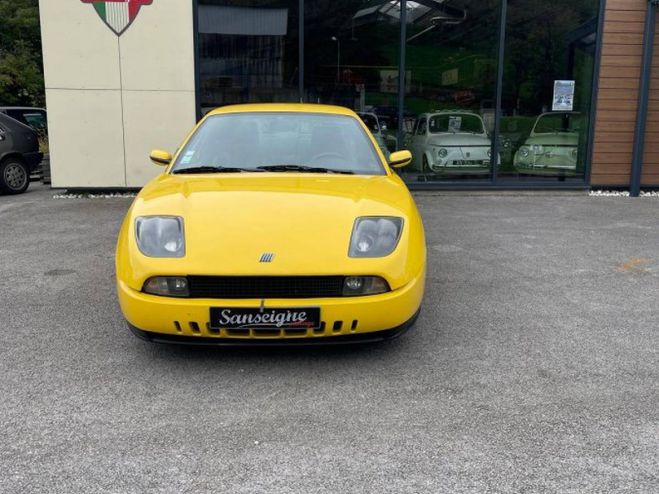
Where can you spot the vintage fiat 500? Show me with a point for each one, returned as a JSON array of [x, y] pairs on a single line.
[[450, 142], [552, 146]]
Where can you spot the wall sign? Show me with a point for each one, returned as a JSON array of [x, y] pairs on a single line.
[[450, 77], [118, 15]]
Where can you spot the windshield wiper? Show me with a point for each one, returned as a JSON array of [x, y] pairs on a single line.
[[214, 169], [301, 168]]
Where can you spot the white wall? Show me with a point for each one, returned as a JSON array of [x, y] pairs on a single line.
[[112, 99]]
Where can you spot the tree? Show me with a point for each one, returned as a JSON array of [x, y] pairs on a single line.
[[21, 74]]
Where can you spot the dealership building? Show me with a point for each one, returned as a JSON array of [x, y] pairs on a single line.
[[486, 93]]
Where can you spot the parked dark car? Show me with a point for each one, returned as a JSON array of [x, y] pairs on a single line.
[[32, 117], [19, 155]]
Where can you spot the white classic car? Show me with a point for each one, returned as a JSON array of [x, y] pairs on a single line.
[[450, 142], [377, 128], [552, 145]]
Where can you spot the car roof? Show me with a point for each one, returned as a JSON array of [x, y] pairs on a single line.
[[21, 108], [559, 113], [451, 112], [284, 107]]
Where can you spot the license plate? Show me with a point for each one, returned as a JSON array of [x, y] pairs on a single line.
[[275, 318]]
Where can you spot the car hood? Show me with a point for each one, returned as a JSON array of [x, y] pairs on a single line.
[[554, 139], [305, 220], [450, 139]]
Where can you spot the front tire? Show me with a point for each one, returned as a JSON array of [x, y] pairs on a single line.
[[425, 167], [14, 176]]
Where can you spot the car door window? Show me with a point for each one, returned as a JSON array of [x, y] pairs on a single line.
[[33, 118], [421, 127], [36, 120]]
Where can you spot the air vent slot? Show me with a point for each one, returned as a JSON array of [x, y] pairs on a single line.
[[261, 332], [238, 332], [295, 332]]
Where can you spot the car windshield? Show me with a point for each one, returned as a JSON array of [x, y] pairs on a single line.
[[551, 123], [459, 122], [281, 142]]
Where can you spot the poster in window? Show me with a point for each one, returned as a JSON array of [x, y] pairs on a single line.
[[389, 81], [454, 124], [563, 96]]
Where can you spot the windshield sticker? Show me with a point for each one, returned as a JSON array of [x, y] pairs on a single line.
[[454, 124], [187, 157]]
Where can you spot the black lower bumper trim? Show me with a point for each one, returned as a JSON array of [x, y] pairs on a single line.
[[347, 339]]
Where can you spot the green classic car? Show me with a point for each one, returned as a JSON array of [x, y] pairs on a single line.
[[552, 146]]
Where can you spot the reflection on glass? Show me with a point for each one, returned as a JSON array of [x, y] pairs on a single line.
[[552, 145], [544, 122], [451, 60], [351, 59]]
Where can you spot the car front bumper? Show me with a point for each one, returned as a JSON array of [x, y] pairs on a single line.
[[345, 319]]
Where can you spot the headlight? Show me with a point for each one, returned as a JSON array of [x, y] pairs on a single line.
[[167, 286], [442, 153], [375, 236], [489, 152], [160, 236], [524, 152], [364, 285]]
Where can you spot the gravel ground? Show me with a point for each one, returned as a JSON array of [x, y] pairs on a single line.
[[534, 366]]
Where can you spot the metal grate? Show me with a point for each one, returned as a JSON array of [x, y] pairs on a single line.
[[235, 287]]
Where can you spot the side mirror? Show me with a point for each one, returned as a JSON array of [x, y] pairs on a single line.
[[160, 158], [399, 159]]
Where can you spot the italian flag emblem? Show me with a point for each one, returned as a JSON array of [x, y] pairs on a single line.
[[118, 15]]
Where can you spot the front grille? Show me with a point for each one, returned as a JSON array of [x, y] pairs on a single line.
[[229, 287]]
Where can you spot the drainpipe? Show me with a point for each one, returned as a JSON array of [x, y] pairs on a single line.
[[642, 109]]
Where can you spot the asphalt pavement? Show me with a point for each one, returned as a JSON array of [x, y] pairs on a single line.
[[534, 366]]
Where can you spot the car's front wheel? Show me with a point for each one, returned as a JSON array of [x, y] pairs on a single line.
[[14, 176], [425, 166]]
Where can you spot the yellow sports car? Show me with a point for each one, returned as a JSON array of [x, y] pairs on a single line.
[[273, 223]]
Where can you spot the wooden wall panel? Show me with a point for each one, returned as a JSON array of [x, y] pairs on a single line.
[[620, 70]]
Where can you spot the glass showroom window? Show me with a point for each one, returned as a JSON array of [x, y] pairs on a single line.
[[351, 59], [248, 52], [547, 89], [449, 102]]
